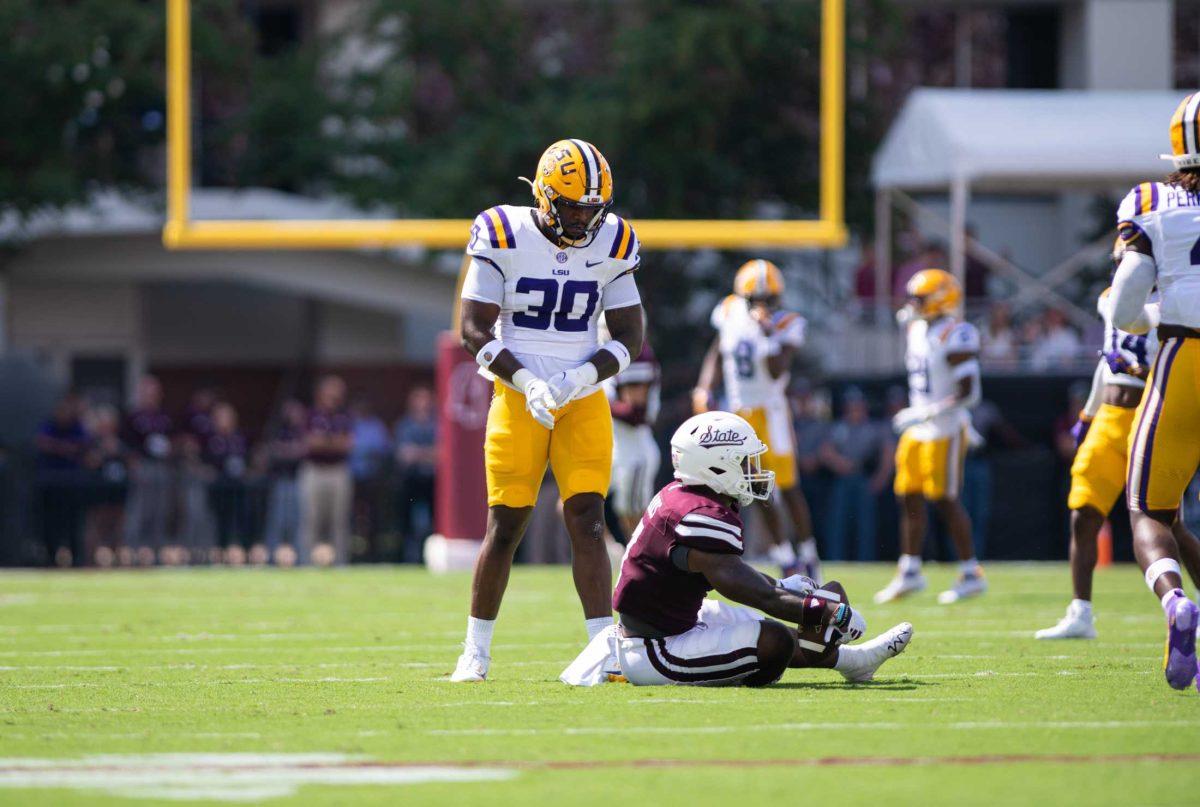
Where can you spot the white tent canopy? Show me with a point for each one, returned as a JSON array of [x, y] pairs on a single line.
[[1025, 139], [1015, 141]]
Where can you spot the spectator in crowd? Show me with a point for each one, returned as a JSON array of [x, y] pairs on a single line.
[[811, 413], [287, 448], [858, 452], [223, 452], [107, 462], [147, 433], [999, 338], [1057, 345], [926, 257], [198, 417], [416, 460], [370, 463], [61, 444], [864, 276], [326, 486]]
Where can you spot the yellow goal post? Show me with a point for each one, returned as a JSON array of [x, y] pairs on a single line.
[[182, 232]]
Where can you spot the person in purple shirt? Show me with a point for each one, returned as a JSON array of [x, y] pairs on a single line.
[[286, 449], [690, 541], [326, 486], [223, 450], [147, 433], [62, 444]]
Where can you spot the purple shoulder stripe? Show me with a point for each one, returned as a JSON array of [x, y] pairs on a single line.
[[508, 233], [616, 244], [491, 231]]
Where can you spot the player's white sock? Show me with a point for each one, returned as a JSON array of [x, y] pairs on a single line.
[[808, 550], [1082, 607], [910, 564], [594, 626], [783, 553], [970, 566], [1170, 595], [479, 635]]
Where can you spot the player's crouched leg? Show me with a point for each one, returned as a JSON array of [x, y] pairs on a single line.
[[776, 649], [721, 650]]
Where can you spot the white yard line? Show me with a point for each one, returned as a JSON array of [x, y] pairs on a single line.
[[872, 726]]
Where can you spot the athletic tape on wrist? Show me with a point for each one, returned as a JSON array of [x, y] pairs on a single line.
[[488, 353], [621, 353]]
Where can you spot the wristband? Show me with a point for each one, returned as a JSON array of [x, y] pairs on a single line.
[[587, 373], [621, 353], [488, 353], [522, 377]]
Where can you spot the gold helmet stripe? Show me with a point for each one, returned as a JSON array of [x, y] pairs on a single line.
[[1177, 138]]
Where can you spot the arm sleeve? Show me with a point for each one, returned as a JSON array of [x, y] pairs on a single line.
[[484, 282], [621, 291], [1131, 285], [710, 530], [1092, 405]]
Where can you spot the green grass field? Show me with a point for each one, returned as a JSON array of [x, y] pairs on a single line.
[[350, 665]]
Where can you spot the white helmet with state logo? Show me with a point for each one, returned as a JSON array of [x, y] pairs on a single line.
[[720, 451]]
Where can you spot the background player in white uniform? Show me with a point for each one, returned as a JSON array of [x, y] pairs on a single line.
[[943, 381], [633, 395], [537, 282], [1101, 457], [1160, 224], [753, 351]]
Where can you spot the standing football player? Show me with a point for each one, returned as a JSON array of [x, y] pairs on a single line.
[[690, 541], [753, 351], [1101, 455], [1160, 225], [942, 358], [633, 396], [538, 279]]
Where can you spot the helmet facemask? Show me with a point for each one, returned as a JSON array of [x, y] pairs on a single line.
[[756, 484], [577, 210]]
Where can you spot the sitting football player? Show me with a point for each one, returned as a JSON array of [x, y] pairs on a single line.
[[690, 541]]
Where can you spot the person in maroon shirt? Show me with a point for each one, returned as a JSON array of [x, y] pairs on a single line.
[[690, 541], [326, 487]]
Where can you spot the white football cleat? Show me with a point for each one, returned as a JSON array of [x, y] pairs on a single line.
[[472, 667], [968, 585], [858, 664], [1077, 624], [901, 586]]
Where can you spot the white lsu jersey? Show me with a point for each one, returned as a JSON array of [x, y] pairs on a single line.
[[1139, 350], [930, 374], [745, 349], [1169, 217], [550, 298]]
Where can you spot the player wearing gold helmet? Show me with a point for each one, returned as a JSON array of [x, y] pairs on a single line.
[[1160, 225], [943, 380], [752, 354], [538, 280]]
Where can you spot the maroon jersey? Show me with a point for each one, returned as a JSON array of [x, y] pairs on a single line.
[[652, 589]]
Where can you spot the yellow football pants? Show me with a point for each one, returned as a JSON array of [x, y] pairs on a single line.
[[1098, 472], [1164, 446], [930, 468], [773, 425], [517, 448]]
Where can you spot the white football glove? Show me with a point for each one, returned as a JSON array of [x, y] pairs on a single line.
[[908, 417], [566, 385], [540, 402], [798, 584]]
